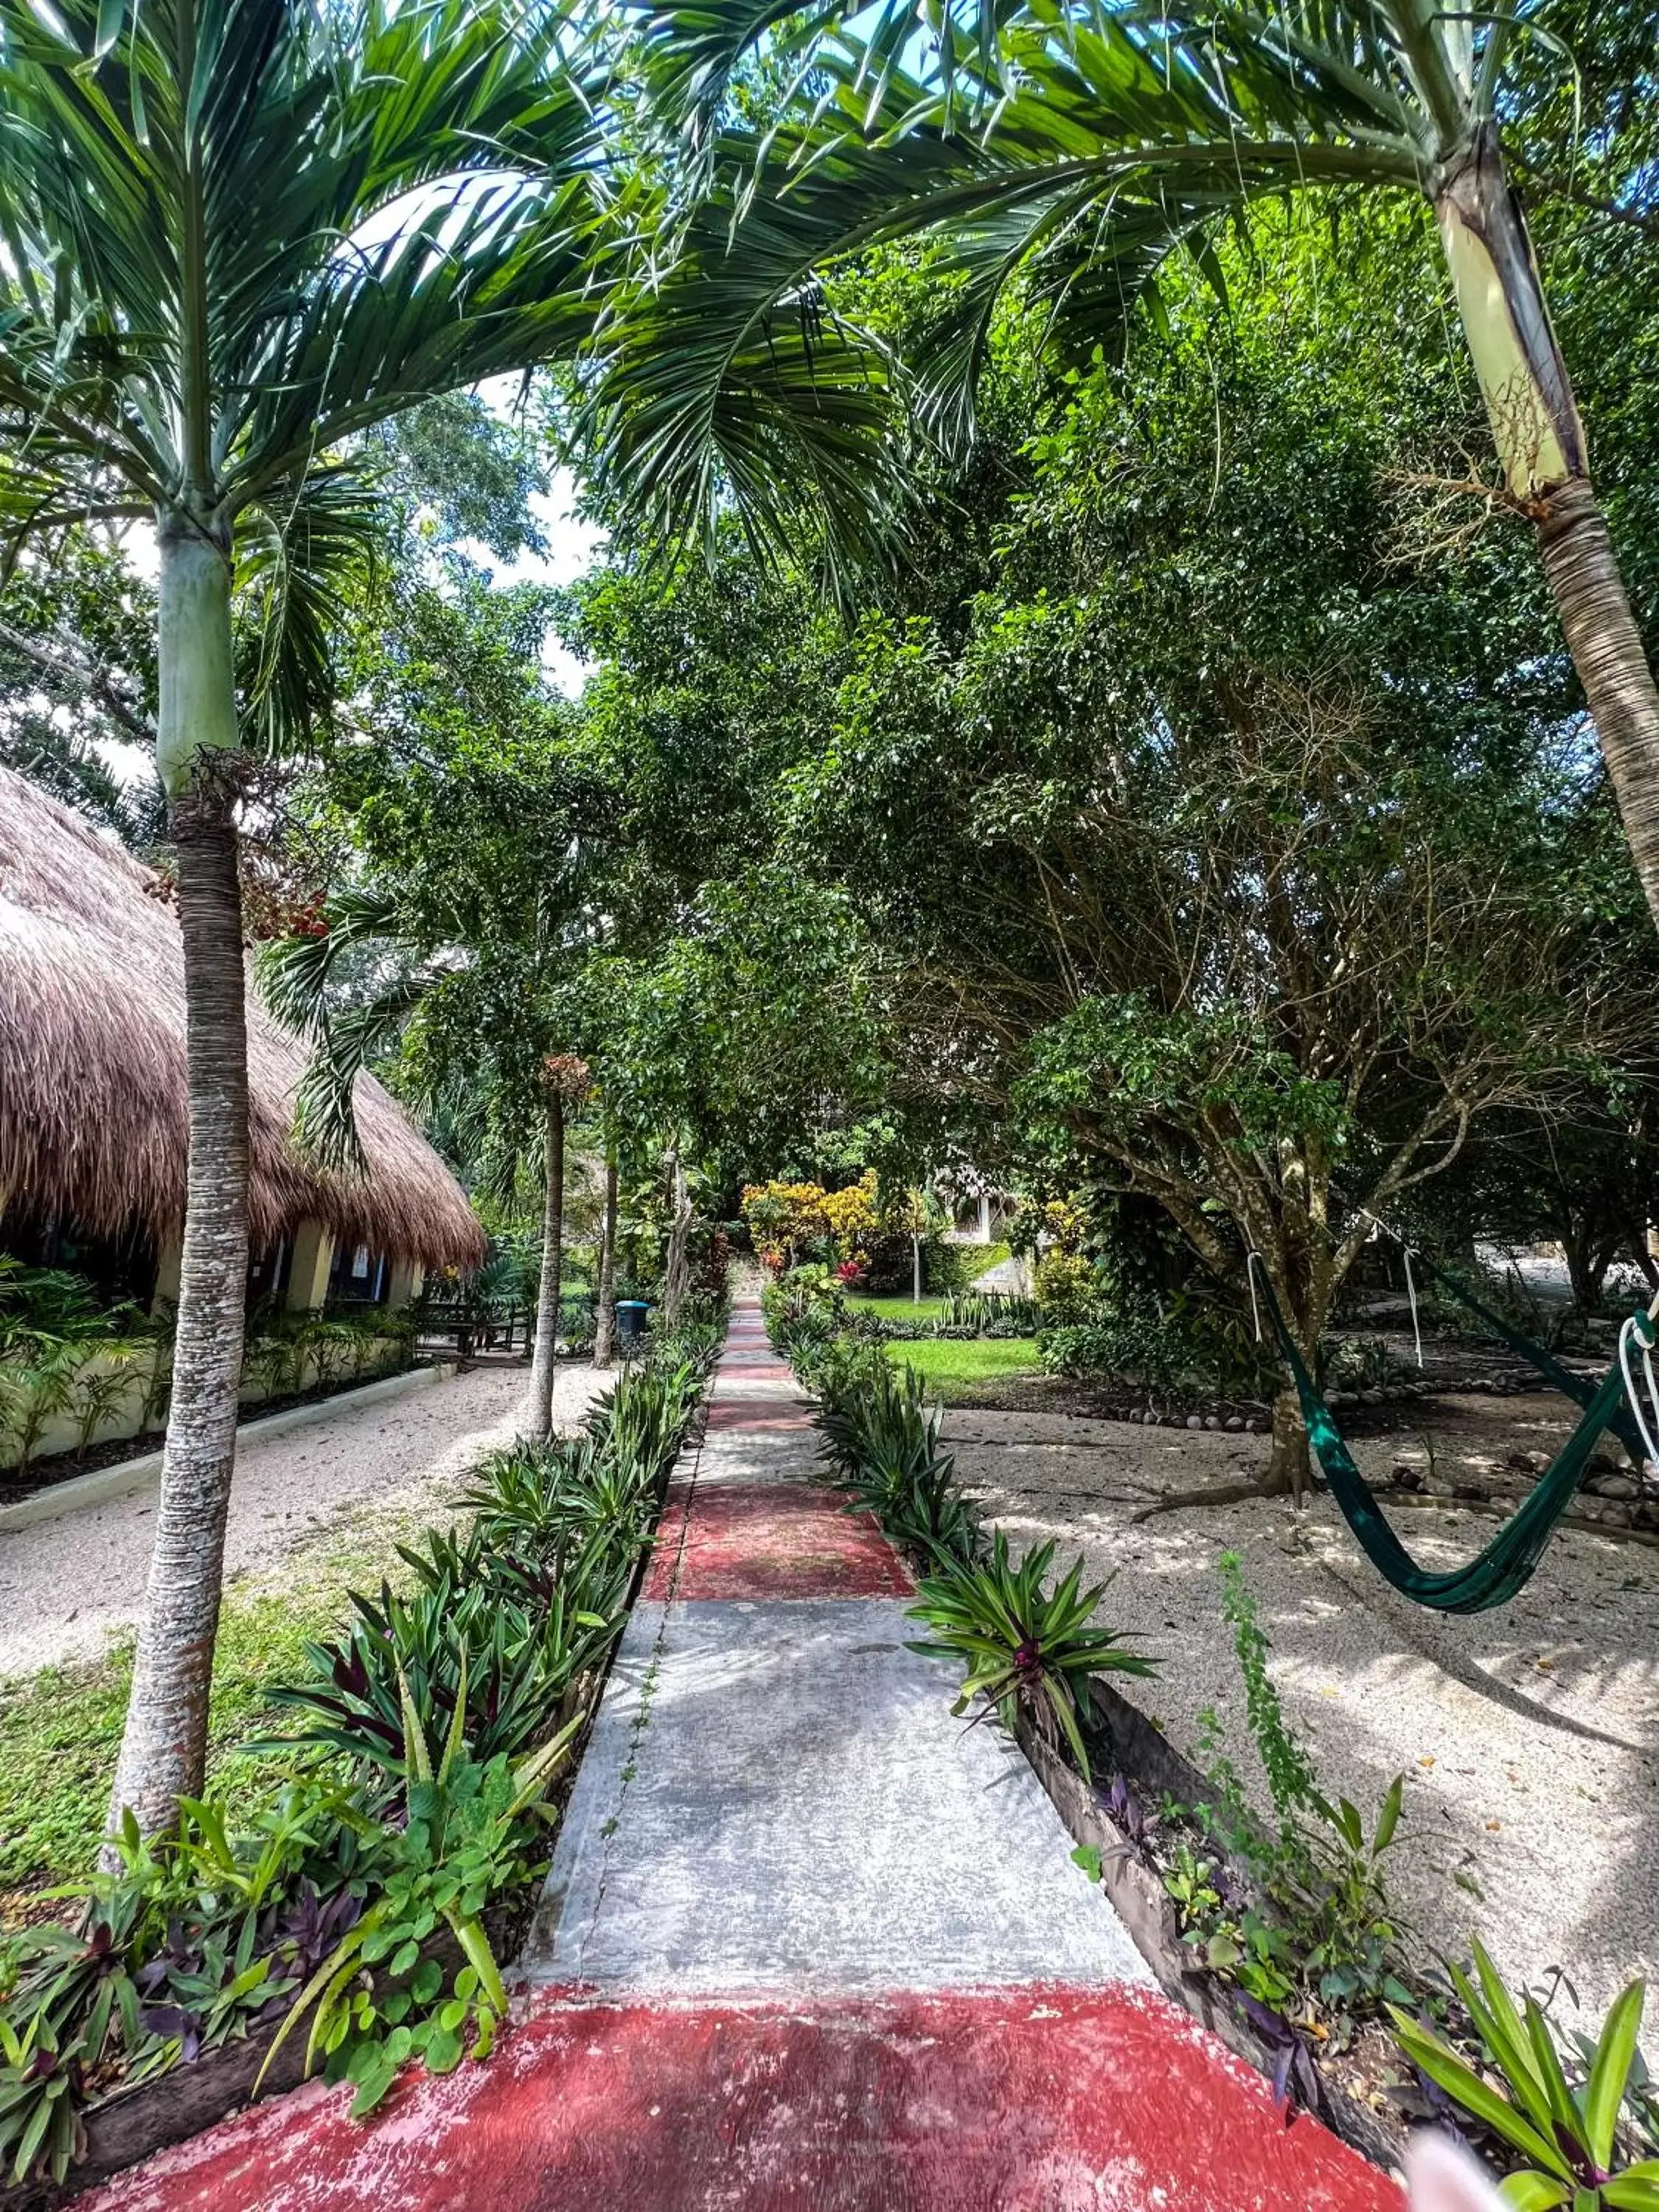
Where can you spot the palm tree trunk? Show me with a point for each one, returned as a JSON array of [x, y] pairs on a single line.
[[164, 1748], [544, 1355], [604, 1295], [1608, 652], [1540, 442], [163, 1752]]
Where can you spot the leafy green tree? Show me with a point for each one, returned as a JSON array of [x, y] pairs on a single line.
[[1255, 905], [1065, 155], [458, 946], [77, 679]]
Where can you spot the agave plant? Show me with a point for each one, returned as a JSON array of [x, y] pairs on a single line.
[[1028, 1651], [1569, 2136]]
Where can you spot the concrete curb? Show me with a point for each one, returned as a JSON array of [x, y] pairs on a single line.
[[120, 1480]]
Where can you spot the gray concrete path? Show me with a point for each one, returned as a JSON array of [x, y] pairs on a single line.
[[777, 1796], [807, 1946]]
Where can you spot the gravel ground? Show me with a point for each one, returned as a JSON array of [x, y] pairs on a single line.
[[1529, 1736], [66, 1584]]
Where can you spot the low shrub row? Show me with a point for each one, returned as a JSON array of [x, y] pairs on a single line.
[[1290, 1913], [75, 1374], [430, 1734]]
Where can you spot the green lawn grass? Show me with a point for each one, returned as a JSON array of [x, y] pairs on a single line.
[[898, 1309], [950, 1367], [60, 1729], [987, 1256], [902, 1307]]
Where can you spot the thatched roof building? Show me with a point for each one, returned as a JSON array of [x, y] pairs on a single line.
[[93, 1108]]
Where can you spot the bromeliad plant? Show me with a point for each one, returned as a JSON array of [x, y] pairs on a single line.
[[518, 1614], [379, 1848], [195, 1938], [1579, 2146], [878, 1428], [505, 1656], [546, 1502], [1030, 1651]]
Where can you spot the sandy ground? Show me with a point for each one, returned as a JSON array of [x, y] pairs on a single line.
[[66, 1585], [1529, 1736]]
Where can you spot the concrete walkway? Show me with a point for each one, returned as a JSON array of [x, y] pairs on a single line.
[[808, 1943]]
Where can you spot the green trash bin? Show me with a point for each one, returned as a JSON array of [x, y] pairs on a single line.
[[630, 1323]]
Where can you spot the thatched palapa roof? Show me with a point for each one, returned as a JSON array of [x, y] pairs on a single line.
[[94, 1121]]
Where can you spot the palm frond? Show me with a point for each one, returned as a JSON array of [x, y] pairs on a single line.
[[296, 550], [346, 1039], [1066, 151], [293, 974]]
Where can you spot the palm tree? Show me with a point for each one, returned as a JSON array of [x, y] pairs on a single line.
[[237, 236], [479, 994], [1070, 149]]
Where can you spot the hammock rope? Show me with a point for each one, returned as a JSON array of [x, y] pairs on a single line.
[[1630, 1432], [1509, 1561]]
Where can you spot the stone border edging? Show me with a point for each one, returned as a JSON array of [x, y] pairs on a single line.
[[1139, 1898], [127, 1475]]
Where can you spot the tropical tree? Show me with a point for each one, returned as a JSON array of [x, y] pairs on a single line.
[[459, 944], [238, 234], [1066, 152]]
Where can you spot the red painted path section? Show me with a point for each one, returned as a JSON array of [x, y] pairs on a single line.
[[773, 1539], [1044, 2100]]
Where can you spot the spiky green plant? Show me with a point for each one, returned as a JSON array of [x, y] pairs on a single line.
[[1028, 1650], [1568, 2136]]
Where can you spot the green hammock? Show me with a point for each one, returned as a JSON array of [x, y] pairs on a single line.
[[1563, 1378], [1506, 1565]]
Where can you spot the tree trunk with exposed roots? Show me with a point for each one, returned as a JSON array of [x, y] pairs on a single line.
[[544, 1363]]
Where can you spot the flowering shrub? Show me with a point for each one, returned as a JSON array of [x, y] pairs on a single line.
[[784, 1216], [854, 1214], [1064, 1284]]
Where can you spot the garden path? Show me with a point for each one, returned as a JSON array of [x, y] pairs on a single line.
[[68, 1585], [808, 1944]]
